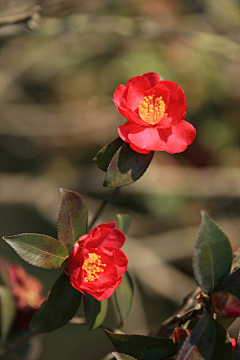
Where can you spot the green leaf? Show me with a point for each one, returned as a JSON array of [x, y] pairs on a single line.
[[104, 156], [223, 347], [119, 356], [38, 250], [72, 218], [202, 339], [232, 284], [95, 311], [126, 166], [60, 306], [143, 347], [124, 221], [124, 296], [7, 313], [212, 256]]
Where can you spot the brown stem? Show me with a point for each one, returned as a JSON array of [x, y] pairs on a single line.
[[103, 206]]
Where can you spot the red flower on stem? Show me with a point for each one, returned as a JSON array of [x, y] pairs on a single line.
[[96, 264], [155, 110], [234, 344]]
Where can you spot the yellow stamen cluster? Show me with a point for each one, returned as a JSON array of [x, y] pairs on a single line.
[[152, 109], [92, 267]]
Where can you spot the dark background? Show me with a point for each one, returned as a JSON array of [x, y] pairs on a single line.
[[58, 72]]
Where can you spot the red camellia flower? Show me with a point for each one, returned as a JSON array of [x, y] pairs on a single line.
[[234, 344], [96, 264], [155, 110]]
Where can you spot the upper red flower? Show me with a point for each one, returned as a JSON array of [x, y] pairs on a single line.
[[96, 264], [155, 110]]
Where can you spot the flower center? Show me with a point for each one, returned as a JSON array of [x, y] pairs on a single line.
[[152, 110], [92, 265]]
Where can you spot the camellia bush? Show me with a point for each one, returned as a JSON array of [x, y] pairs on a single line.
[[93, 265]]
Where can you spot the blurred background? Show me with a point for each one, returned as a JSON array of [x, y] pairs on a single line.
[[60, 62]]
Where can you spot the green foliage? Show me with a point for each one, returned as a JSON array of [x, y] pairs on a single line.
[[124, 221], [223, 347], [123, 297], [203, 338], [72, 219], [104, 156], [38, 250], [126, 166], [143, 347], [7, 312], [232, 284], [212, 256], [60, 306], [95, 311]]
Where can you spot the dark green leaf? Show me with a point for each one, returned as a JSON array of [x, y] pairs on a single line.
[[123, 297], [223, 347], [232, 284], [237, 352], [126, 166], [143, 347], [72, 219], [104, 156], [7, 312], [202, 338], [119, 356], [95, 311], [124, 221], [212, 256], [60, 306], [38, 250]]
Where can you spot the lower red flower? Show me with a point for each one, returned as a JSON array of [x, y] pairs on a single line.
[[234, 344], [155, 110], [96, 262]]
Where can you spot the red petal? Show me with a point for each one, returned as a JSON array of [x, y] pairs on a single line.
[[177, 107], [159, 90], [136, 89], [127, 112], [115, 238], [137, 149], [124, 130], [181, 135], [146, 138], [153, 78], [120, 92]]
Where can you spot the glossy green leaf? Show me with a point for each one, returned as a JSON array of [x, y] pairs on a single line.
[[72, 219], [237, 351], [124, 221], [104, 156], [60, 306], [38, 250], [212, 256], [126, 166], [202, 340], [119, 356], [143, 347], [95, 311], [124, 296], [7, 313], [223, 347], [232, 284]]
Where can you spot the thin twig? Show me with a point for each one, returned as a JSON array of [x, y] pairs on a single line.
[[103, 206]]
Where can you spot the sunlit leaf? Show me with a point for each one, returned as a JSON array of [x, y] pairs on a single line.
[[119, 356], [212, 256], [124, 221], [60, 306], [95, 311], [143, 347], [104, 156], [126, 166], [72, 219], [38, 250], [7, 312]]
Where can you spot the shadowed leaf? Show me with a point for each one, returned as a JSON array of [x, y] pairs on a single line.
[[232, 284], [223, 347], [104, 156], [200, 344], [124, 296], [38, 250], [124, 221], [143, 347], [60, 306], [72, 218], [126, 166], [95, 311], [7, 312], [212, 256]]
